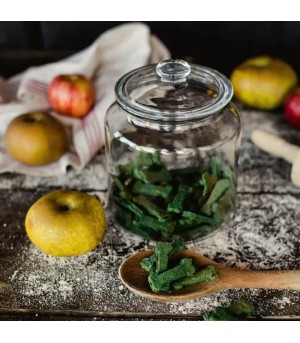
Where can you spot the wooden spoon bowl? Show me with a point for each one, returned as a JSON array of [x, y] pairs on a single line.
[[135, 278]]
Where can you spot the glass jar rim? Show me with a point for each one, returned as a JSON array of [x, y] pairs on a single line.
[[145, 74]]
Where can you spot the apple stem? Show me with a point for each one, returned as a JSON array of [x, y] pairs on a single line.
[[63, 208]]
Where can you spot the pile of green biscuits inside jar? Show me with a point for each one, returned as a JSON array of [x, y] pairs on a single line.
[[158, 203]]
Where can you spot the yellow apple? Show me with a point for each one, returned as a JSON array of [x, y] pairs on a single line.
[[65, 223], [36, 138], [263, 82]]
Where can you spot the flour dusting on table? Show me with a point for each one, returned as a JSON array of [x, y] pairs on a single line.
[[263, 234], [90, 282]]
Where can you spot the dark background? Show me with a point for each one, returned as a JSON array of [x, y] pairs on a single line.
[[221, 45]]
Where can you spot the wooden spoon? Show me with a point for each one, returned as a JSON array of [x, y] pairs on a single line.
[[135, 277]]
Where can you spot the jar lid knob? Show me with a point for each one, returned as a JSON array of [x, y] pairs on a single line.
[[173, 71]]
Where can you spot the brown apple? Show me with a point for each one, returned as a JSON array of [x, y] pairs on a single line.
[[36, 138]]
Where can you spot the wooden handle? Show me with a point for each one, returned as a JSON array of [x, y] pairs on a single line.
[[275, 145], [295, 174], [275, 279]]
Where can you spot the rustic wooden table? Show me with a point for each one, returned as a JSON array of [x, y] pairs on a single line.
[[264, 234]]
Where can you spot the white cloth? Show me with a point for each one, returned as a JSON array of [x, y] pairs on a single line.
[[113, 54]]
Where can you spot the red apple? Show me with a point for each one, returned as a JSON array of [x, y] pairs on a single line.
[[72, 95], [292, 109]]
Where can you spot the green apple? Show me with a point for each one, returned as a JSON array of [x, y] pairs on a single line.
[[263, 82]]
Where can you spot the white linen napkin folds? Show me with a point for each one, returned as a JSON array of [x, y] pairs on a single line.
[[113, 54]]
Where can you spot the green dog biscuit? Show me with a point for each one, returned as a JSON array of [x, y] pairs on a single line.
[[125, 216], [237, 311], [190, 219], [161, 282], [149, 263], [155, 224], [176, 205], [219, 189], [230, 174], [127, 169], [177, 245], [216, 167], [148, 159], [208, 182], [145, 232], [223, 205], [149, 176], [209, 273], [118, 183], [129, 205], [241, 307], [162, 251], [150, 207], [152, 190]]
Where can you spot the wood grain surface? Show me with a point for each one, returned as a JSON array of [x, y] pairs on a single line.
[[263, 234]]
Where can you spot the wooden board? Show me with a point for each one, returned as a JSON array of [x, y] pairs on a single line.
[[263, 234]]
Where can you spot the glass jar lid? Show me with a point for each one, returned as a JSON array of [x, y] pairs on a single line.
[[173, 91]]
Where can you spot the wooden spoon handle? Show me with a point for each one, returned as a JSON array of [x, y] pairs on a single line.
[[275, 145], [280, 279]]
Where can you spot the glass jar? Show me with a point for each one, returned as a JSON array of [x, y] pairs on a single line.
[[172, 144]]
